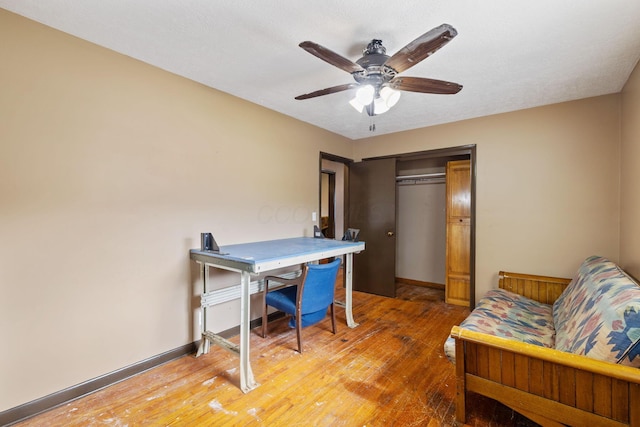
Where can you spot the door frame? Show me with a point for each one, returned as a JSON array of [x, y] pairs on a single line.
[[439, 152], [469, 150], [346, 162], [331, 196]]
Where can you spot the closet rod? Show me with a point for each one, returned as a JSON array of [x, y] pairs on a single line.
[[421, 176]]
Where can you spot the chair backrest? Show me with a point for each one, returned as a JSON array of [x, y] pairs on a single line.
[[319, 286]]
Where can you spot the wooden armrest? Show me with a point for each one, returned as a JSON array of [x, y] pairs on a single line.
[[296, 281], [544, 289], [621, 372], [281, 279]]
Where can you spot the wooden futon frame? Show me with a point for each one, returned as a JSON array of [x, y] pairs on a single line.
[[548, 386]]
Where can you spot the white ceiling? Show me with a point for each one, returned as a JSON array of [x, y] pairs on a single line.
[[508, 54]]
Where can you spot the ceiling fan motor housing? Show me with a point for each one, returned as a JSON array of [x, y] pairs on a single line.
[[373, 59]]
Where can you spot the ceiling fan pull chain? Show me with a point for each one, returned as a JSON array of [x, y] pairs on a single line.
[[372, 125]]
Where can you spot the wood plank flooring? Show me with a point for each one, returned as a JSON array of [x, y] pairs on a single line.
[[389, 371]]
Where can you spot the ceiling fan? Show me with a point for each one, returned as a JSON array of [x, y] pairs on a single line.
[[376, 73]]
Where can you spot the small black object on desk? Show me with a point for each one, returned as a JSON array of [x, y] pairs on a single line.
[[351, 234], [208, 243]]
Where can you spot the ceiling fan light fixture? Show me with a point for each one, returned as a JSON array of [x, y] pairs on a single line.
[[380, 106], [390, 96], [380, 103], [355, 104], [365, 94]]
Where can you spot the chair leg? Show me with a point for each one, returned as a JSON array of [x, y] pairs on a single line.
[[264, 310], [333, 317], [264, 322], [299, 330]]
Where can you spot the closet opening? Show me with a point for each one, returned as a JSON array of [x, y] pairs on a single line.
[[435, 221]]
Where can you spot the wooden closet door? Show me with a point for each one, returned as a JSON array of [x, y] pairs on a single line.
[[458, 253]]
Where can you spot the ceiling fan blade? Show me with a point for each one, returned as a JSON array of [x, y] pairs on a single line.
[[421, 47], [418, 84], [331, 57], [328, 90]]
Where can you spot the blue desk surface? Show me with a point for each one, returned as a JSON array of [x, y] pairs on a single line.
[[271, 254]]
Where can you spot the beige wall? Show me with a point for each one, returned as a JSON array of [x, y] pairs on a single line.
[[547, 184], [630, 176], [109, 170]]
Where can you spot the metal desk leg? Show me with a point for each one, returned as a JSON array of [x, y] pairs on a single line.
[[349, 289], [205, 344], [247, 382]]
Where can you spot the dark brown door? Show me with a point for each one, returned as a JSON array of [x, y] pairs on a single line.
[[372, 209]]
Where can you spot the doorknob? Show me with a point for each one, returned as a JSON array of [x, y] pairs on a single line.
[[390, 233]]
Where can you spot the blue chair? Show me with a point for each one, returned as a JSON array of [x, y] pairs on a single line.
[[306, 298]]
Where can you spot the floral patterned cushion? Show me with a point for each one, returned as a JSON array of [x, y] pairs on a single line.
[[505, 314], [598, 315]]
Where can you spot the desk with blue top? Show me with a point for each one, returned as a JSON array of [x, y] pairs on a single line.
[[253, 259]]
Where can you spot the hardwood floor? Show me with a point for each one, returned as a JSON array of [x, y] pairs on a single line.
[[389, 371]]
